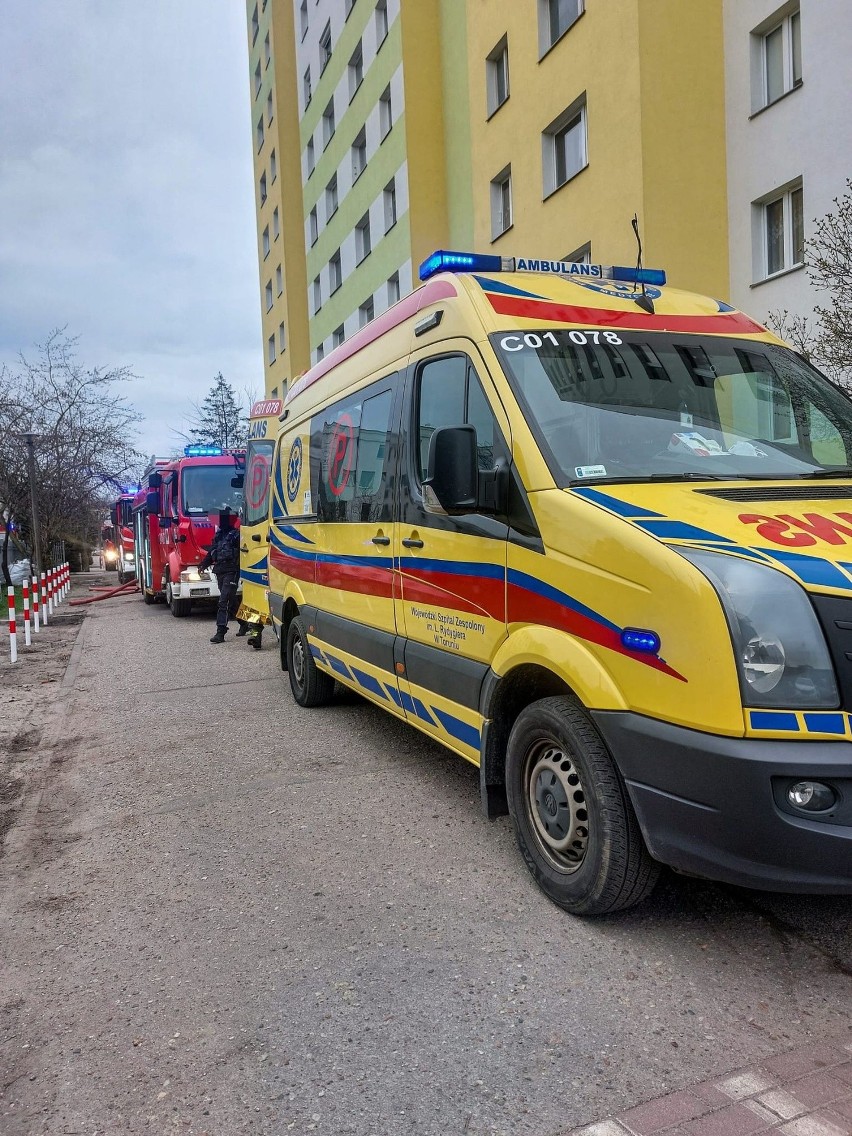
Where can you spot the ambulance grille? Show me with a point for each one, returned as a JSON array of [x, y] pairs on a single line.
[[809, 492], [835, 615]]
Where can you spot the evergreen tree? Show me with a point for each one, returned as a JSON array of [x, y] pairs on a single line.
[[220, 420]]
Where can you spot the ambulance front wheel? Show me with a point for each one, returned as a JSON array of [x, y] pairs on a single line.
[[573, 820], [310, 686]]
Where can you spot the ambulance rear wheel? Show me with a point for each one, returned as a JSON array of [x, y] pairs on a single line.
[[310, 686], [573, 820]]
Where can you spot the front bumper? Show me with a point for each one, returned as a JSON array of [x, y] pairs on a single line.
[[202, 589], [714, 806]]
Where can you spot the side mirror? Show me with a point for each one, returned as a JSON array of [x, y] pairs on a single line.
[[155, 480], [452, 476], [112, 515], [256, 537], [152, 502]]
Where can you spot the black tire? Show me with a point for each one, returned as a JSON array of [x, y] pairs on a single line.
[[573, 820], [180, 608], [149, 599], [310, 686]]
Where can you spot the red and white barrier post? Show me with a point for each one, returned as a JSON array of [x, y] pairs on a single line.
[[65, 581], [27, 636], [35, 605], [13, 632], [50, 603], [44, 611]]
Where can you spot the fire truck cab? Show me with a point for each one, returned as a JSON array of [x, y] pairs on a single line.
[[121, 517], [176, 520]]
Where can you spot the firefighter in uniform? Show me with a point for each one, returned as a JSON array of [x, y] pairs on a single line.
[[224, 556]]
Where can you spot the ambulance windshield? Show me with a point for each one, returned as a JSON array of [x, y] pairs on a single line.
[[207, 489], [634, 405]]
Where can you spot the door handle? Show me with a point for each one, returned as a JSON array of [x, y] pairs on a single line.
[[412, 543], [381, 540], [257, 537]]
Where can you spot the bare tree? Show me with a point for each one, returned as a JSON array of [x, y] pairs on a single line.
[[83, 446], [826, 338]]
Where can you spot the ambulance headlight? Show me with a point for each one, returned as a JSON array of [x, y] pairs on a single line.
[[780, 648]]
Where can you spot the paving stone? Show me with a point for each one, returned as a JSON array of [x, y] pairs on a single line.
[[746, 1084], [735, 1120], [662, 1113], [782, 1103], [819, 1088], [813, 1125], [602, 1128], [789, 1066]]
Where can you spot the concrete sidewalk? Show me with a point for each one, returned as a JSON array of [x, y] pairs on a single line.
[[805, 1092]]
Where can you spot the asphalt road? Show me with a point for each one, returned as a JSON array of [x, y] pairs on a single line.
[[222, 913]]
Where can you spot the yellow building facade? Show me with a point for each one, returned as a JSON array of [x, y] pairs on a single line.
[[521, 127]]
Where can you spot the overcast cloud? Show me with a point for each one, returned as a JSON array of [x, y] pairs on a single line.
[[126, 195]]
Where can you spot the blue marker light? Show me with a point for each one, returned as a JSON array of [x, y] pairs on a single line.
[[201, 451], [463, 262], [442, 261], [653, 276], [637, 639]]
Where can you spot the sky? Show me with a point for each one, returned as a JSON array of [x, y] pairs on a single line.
[[127, 197]]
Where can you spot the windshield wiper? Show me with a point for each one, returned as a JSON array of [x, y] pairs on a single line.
[[842, 471], [690, 475]]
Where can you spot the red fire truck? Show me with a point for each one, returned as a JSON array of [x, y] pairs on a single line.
[[121, 518], [176, 519]]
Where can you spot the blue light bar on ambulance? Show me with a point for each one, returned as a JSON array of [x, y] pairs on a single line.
[[200, 451], [485, 262]]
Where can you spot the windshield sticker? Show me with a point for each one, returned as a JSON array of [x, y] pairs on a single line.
[[590, 470]]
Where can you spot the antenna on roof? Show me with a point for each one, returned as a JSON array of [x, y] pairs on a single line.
[[644, 301]]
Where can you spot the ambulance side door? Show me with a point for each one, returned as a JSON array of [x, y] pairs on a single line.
[[451, 606]]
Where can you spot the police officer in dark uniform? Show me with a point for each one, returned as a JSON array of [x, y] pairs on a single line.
[[224, 556]]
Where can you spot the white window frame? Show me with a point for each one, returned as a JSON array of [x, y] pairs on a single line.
[[394, 292], [791, 199], [259, 134], [497, 66], [366, 312], [363, 239], [307, 89], [337, 337], [273, 166], [270, 349], [310, 156], [262, 188], [786, 21], [304, 19], [268, 295], [279, 279], [258, 79], [313, 226], [389, 202], [550, 139], [581, 255], [276, 224], [325, 48], [501, 194], [385, 112], [359, 154], [329, 124], [255, 24], [382, 25], [270, 108], [317, 294], [332, 198], [267, 50], [548, 36], [356, 70], [335, 272], [266, 243], [282, 337]]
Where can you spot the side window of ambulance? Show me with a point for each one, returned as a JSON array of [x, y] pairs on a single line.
[[351, 439], [450, 394]]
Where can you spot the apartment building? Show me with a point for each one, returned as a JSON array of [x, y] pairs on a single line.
[[789, 140]]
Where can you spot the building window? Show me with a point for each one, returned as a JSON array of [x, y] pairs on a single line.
[[313, 226], [266, 242], [276, 224], [581, 255], [497, 76], [555, 17], [255, 24], [310, 156], [267, 51], [385, 112], [320, 352], [328, 123], [303, 18], [335, 273], [270, 108], [325, 47], [350, 4], [270, 349], [359, 154], [331, 201], [363, 244], [259, 132], [282, 337], [356, 70], [279, 280], [366, 312], [501, 203], [776, 58], [389, 196], [337, 336], [781, 230], [393, 289], [381, 22], [262, 187], [268, 292], [563, 147], [258, 81], [273, 165], [317, 294], [306, 86]]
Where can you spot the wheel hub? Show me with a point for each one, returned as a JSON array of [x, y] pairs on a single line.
[[298, 662], [558, 806]]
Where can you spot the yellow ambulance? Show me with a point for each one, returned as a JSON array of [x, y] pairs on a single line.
[[254, 524], [594, 535]]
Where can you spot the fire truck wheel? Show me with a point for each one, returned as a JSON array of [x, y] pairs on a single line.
[[149, 599], [310, 686]]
